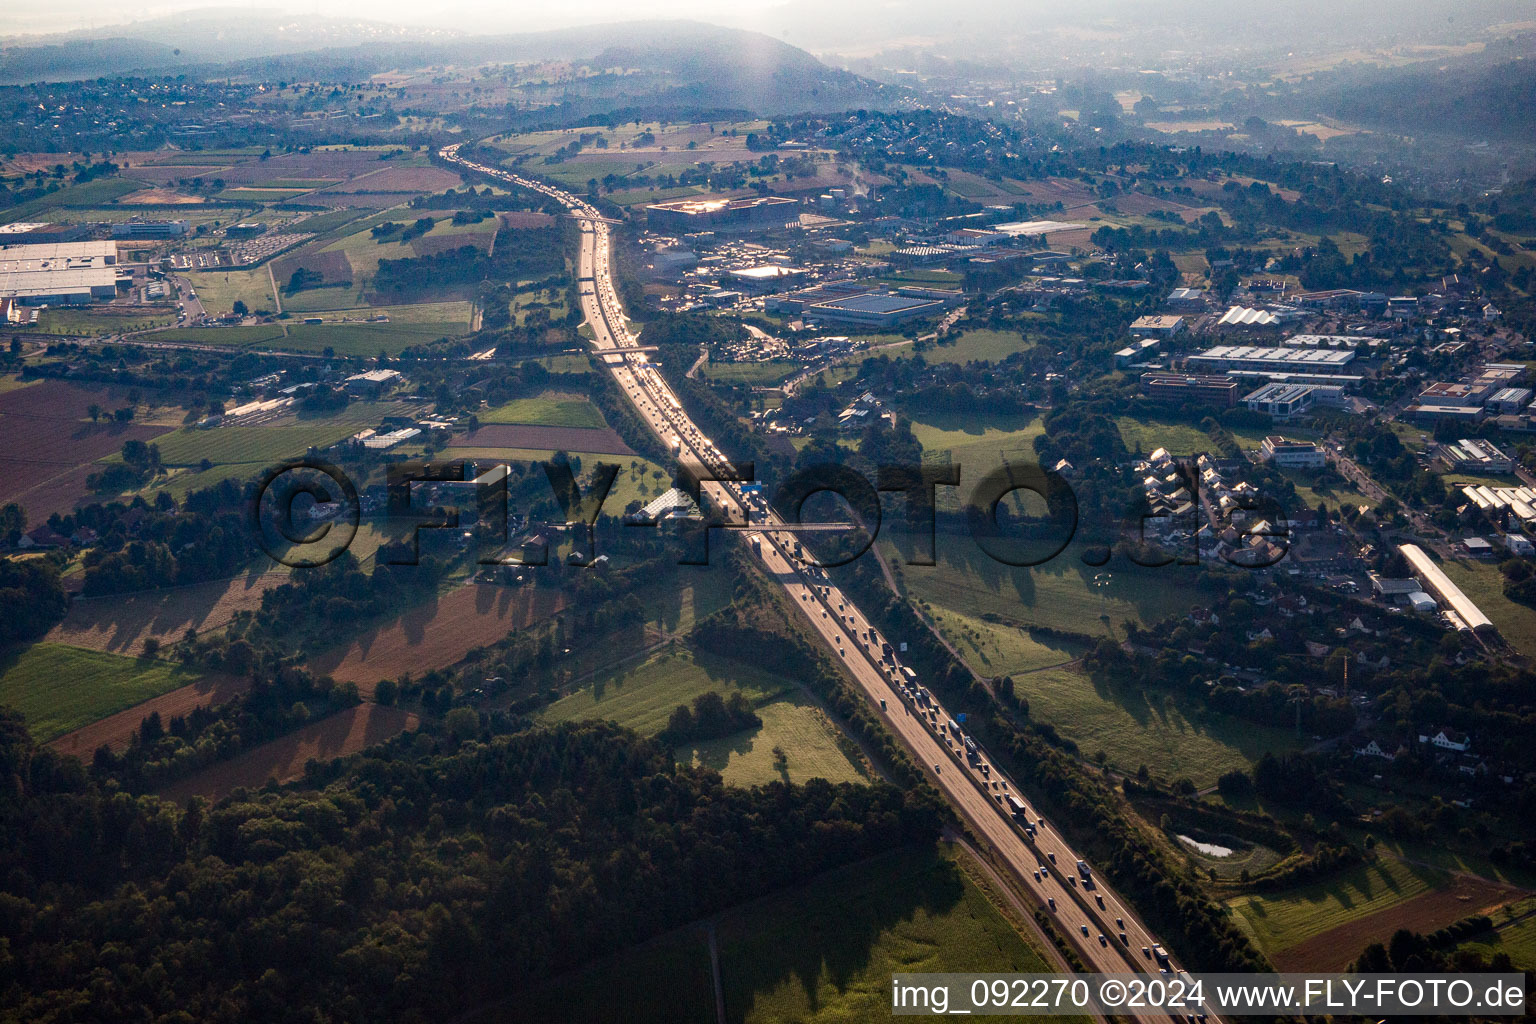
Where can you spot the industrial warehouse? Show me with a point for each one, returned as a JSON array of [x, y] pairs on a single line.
[[757, 213], [1224, 358], [58, 273]]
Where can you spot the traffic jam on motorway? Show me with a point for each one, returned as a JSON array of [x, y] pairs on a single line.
[[656, 402]]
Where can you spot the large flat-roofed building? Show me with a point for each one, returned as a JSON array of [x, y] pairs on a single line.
[[58, 273], [1439, 584], [1288, 454], [59, 287], [1474, 455], [766, 278], [1446, 392], [1281, 359], [1281, 401], [150, 229], [56, 255], [1509, 400], [874, 308], [755, 213], [1182, 388], [797, 301], [1157, 326]]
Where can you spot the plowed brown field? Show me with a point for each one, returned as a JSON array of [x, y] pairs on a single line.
[[283, 759], [122, 622], [438, 634], [1334, 949], [115, 731]]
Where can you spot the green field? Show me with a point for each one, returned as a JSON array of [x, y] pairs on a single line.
[[636, 480], [793, 724], [999, 650], [981, 606], [759, 374], [1059, 594], [642, 697], [261, 334], [261, 195], [632, 197], [1277, 922], [1147, 435], [981, 439], [980, 346], [61, 688], [363, 251], [91, 322], [90, 193], [249, 444], [1517, 938], [184, 481], [1135, 727], [454, 313], [366, 339], [826, 952], [550, 409], [323, 222], [819, 952], [1484, 584], [1339, 494], [218, 290]]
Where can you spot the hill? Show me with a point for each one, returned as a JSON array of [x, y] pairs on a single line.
[[1473, 99], [677, 63]]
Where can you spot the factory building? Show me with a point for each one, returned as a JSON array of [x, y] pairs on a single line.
[[58, 273], [1473, 455], [150, 229], [757, 213], [874, 309], [1280, 359], [1191, 388], [1281, 401], [767, 278], [1287, 454], [1467, 614], [1509, 400], [1157, 326]]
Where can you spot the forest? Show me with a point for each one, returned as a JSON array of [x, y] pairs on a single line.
[[417, 880]]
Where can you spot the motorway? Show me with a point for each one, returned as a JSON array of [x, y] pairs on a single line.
[[1045, 863]]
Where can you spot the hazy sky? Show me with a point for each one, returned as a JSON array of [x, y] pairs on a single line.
[[36, 16]]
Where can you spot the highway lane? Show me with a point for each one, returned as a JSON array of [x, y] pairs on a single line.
[[1044, 863]]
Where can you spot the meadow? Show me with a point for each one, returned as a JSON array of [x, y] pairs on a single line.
[[1514, 936], [61, 688], [1147, 435], [1059, 594], [1484, 584], [978, 439], [793, 724], [826, 952], [761, 374], [642, 697], [980, 346], [1133, 727], [820, 952], [264, 445], [551, 409], [1283, 921], [219, 290]]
